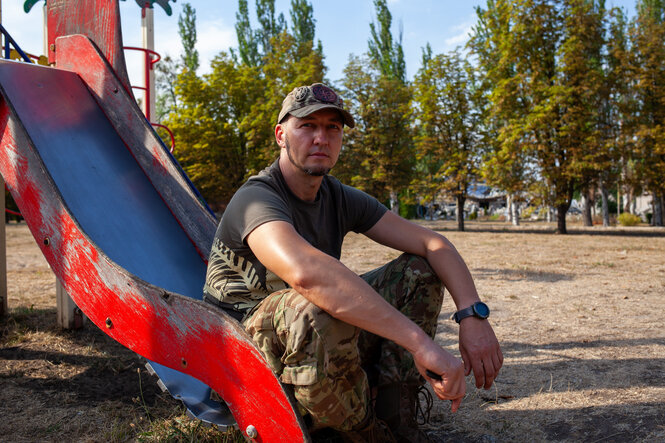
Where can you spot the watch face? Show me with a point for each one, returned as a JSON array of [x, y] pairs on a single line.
[[481, 310]]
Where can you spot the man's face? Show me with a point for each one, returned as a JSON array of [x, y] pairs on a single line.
[[312, 143]]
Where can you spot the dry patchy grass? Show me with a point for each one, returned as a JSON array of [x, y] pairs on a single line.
[[579, 317]]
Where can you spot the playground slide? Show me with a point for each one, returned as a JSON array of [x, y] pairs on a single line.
[[127, 235]]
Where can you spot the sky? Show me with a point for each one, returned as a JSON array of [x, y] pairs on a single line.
[[341, 25]]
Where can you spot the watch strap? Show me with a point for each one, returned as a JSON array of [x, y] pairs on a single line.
[[463, 313], [478, 309]]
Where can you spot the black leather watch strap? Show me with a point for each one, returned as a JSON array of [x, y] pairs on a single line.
[[463, 313], [478, 309]]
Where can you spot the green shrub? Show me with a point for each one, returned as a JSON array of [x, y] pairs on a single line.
[[473, 215], [628, 219], [407, 211], [528, 211]]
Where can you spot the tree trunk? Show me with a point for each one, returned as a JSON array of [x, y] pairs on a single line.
[[515, 212], [604, 194], [657, 210], [509, 207], [628, 200], [549, 214], [586, 209], [561, 218], [394, 202], [460, 212]]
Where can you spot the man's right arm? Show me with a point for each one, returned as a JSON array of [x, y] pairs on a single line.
[[330, 285]]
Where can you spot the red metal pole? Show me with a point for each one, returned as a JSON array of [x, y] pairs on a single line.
[[146, 82]]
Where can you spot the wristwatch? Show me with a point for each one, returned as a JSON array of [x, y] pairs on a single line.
[[478, 309]]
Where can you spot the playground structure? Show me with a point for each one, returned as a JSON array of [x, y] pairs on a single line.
[[69, 316], [122, 227]]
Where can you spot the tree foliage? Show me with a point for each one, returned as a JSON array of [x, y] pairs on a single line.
[[223, 121], [167, 70], [647, 33], [582, 79], [616, 107], [449, 116], [386, 54], [270, 25], [207, 145], [507, 162], [187, 32], [248, 50], [542, 64], [303, 25], [564, 97], [166, 75], [282, 70], [378, 152]]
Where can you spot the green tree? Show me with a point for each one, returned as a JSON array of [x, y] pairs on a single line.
[[582, 79], [449, 117], [255, 44], [187, 32], [303, 24], [380, 98], [224, 124], [507, 160], [208, 146], [270, 26], [617, 107], [647, 33], [282, 69], [388, 56], [248, 50], [378, 154], [167, 70], [544, 79]]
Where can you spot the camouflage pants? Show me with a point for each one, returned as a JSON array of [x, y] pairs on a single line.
[[332, 364]]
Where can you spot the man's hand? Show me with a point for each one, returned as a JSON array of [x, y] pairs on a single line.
[[452, 385], [480, 351]]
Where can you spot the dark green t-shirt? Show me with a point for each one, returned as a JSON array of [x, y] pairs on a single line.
[[236, 276]]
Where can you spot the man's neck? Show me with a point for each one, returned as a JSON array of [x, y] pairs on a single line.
[[303, 185]]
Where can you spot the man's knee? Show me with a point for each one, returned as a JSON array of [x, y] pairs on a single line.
[[418, 284], [418, 268], [304, 343]]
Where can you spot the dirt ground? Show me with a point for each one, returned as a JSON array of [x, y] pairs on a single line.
[[579, 318]]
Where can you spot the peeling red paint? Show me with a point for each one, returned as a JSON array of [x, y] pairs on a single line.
[[217, 350], [159, 160], [99, 19], [12, 159]]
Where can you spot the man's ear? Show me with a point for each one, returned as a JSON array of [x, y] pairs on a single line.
[[280, 134]]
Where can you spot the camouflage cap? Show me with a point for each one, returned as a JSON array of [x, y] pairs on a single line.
[[304, 100]]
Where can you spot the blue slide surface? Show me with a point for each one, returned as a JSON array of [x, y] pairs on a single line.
[[108, 193]]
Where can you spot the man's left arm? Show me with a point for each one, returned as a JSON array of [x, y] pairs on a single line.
[[478, 345]]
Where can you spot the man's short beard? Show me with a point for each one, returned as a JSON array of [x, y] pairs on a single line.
[[319, 172]]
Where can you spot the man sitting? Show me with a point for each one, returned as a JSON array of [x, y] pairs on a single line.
[[356, 349]]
